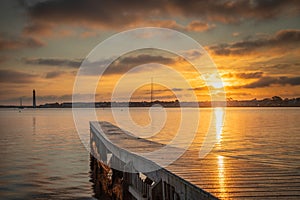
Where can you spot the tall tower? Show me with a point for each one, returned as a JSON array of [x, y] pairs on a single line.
[[33, 99]]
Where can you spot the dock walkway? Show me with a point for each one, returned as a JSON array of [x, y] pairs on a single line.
[[139, 178]]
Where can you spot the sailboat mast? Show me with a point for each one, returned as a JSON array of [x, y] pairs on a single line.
[[151, 93]]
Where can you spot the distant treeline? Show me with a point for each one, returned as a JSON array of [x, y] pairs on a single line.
[[275, 101]]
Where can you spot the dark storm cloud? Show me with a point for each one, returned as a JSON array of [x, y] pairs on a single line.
[[12, 43], [284, 39], [117, 14], [74, 63], [268, 81], [11, 76]]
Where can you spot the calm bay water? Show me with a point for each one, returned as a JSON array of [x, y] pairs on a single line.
[[257, 153]]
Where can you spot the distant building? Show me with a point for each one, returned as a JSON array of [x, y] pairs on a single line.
[[33, 99]]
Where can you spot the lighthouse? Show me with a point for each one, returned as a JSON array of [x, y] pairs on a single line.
[[33, 99]]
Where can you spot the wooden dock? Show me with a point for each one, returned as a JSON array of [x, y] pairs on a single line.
[[122, 173]]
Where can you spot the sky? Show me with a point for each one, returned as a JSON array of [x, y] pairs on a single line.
[[254, 44]]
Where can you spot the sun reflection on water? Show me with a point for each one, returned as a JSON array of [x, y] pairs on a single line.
[[222, 177], [219, 114]]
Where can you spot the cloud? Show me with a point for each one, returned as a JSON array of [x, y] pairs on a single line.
[[251, 75], [198, 26], [281, 68], [290, 81], [202, 88], [163, 23], [144, 58], [119, 66], [38, 28], [267, 81], [119, 14], [74, 63], [87, 34], [284, 39], [53, 74], [235, 11], [127, 63], [243, 75], [11, 76], [177, 89], [45, 30], [191, 55], [193, 26], [236, 34], [12, 43], [228, 94]]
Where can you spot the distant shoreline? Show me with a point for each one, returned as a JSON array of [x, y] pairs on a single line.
[[29, 107], [267, 102]]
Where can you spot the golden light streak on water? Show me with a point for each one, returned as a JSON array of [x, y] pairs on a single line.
[[219, 113], [222, 178]]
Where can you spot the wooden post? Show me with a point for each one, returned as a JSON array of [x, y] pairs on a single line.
[[103, 151]]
